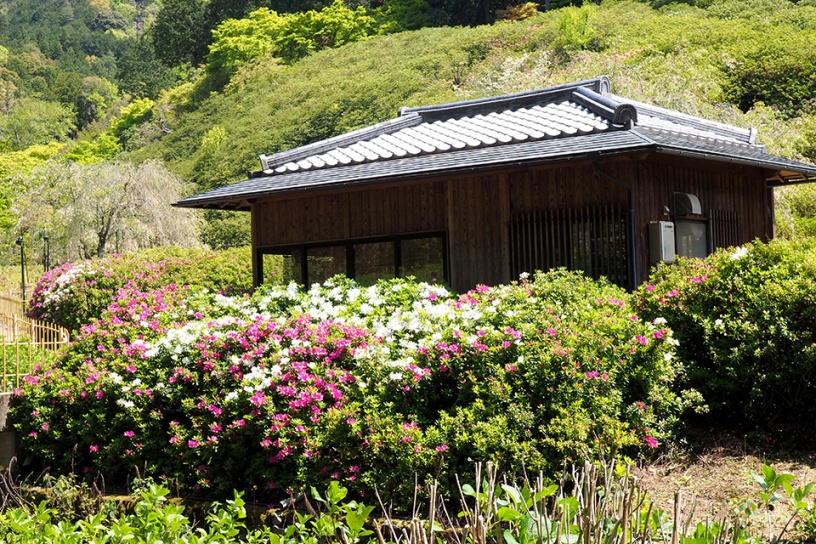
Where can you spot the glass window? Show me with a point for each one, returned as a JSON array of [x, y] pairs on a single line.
[[691, 238], [324, 262], [424, 259], [292, 267], [373, 262], [272, 267]]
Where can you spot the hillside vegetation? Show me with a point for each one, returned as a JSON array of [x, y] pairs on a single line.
[[273, 80]]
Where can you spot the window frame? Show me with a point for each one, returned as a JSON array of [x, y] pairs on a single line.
[[699, 219], [349, 244]]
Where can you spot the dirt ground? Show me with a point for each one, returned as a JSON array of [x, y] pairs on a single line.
[[718, 468]]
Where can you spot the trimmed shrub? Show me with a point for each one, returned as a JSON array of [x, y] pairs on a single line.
[[73, 294], [369, 386], [746, 322]]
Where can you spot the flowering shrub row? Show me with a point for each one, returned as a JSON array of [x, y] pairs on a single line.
[[746, 322], [74, 293], [285, 388]]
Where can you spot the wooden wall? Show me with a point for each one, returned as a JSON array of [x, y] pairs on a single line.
[[475, 210], [358, 214], [735, 188]]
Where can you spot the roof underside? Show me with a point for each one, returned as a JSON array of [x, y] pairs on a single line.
[[567, 123]]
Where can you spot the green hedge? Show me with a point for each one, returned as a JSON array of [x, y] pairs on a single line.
[[746, 322]]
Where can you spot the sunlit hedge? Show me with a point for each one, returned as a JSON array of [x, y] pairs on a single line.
[[369, 386], [746, 322]]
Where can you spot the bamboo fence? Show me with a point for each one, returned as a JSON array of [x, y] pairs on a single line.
[[24, 342]]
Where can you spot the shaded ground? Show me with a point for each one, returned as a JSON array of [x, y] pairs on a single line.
[[718, 468]]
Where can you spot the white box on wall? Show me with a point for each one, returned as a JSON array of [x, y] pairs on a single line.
[[661, 241]]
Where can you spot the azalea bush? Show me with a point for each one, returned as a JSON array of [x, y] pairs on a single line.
[[283, 388], [73, 294], [746, 322]]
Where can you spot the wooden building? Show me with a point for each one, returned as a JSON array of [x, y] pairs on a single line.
[[483, 190]]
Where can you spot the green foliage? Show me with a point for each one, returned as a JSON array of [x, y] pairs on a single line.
[[746, 322], [102, 148], [34, 122], [365, 385], [24, 162], [776, 71], [75, 293], [153, 518], [576, 30], [135, 113], [178, 33], [225, 229], [399, 15], [528, 513], [291, 37], [141, 74], [795, 211]]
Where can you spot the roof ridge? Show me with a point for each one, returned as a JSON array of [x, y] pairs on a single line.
[[616, 111], [508, 101]]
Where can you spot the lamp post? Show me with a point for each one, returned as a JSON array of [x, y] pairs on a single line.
[[46, 253], [21, 243]]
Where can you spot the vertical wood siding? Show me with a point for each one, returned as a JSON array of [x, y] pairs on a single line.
[[477, 211], [734, 194], [359, 214]]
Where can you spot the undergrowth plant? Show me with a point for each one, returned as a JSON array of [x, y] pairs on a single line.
[[74, 294], [594, 503]]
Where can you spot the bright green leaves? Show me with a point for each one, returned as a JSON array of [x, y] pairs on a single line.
[[288, 36]]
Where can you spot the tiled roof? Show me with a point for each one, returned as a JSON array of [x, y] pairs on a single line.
[[560, 123]]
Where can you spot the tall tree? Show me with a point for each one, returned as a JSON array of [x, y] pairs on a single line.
[[180, 32], [91, 209], [29, 121], [141, 73]]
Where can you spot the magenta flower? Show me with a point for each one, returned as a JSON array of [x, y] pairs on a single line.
[[94, 448], [130, 434], [192, 444], [258, 399], [651, 442]]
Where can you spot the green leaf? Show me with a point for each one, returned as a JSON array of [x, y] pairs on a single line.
[[509, 538]]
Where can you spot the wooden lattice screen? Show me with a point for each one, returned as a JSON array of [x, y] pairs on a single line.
[[590, 239], [725, 228]]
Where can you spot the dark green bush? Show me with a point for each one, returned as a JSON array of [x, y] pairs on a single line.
[[746, 322]]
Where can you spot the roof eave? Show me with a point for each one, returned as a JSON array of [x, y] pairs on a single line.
[[783, 174]]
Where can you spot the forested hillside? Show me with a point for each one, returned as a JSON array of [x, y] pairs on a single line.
[[196, 89]]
